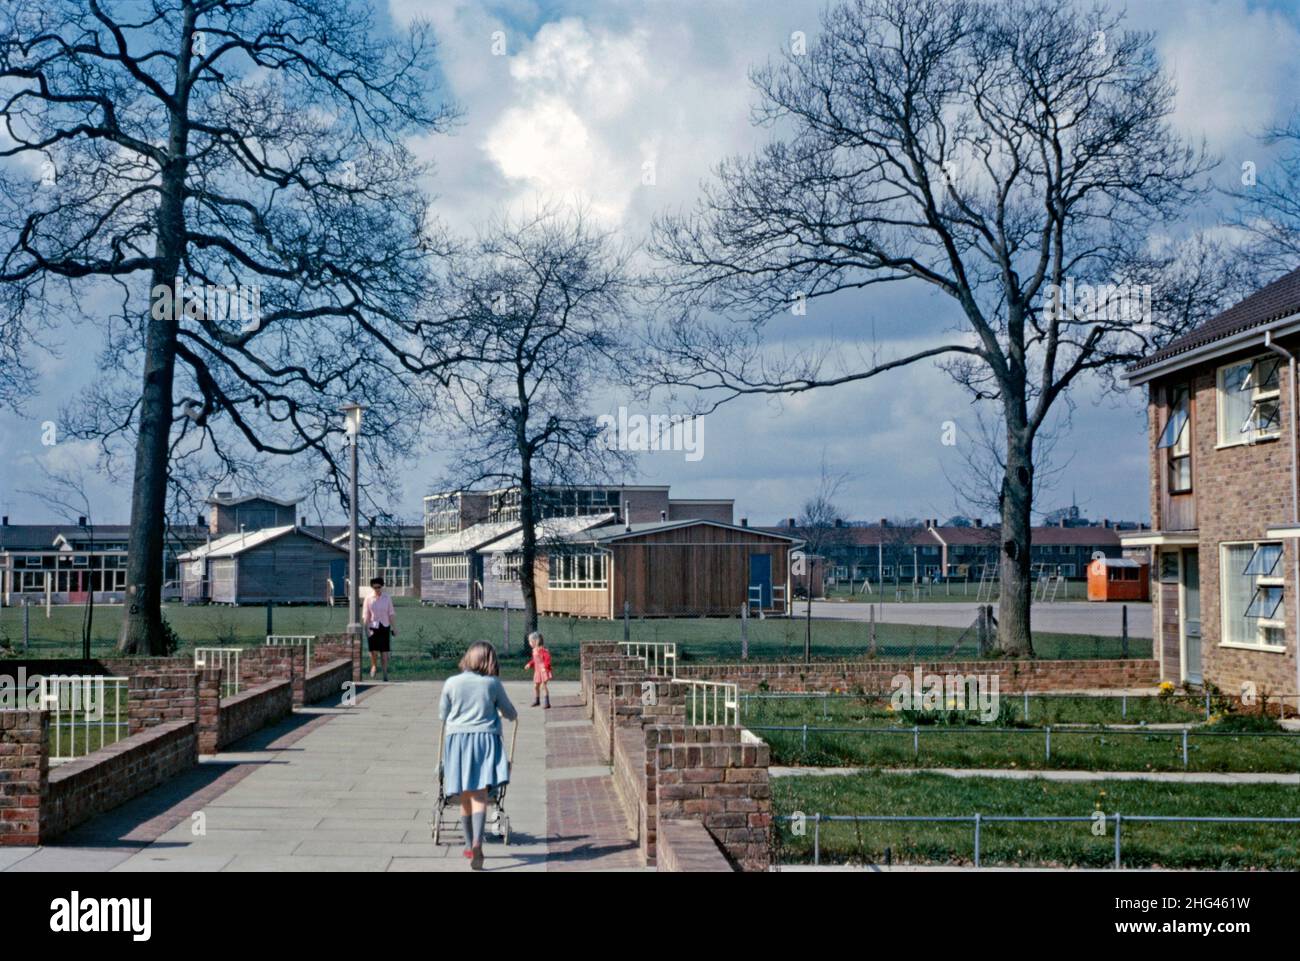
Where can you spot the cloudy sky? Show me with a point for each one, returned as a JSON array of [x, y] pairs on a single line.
[[570, 100]]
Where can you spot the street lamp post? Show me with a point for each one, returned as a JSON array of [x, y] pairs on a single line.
[[352, 424]]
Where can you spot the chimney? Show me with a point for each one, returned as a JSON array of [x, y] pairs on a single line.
[[979, 522], [884, 522], [839, 522], [1105, 523], [203, 521], [4, 521], [627, 517], [1061, 522], [304, 522], [791, 523], [663, 516], [81, 521], [744, 522], [224, 495]]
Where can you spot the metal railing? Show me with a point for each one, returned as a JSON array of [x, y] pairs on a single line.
[[660, 658], [712, 703], [915, 732], [225, 659], [87, 712], [292, 640], [978, 820]]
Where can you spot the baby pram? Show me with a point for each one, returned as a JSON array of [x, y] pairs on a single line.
[[498, 822]]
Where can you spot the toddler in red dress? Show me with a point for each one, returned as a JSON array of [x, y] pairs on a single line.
[[540, 662]]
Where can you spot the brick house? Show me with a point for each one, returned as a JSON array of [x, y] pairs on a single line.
[[1222, 438]]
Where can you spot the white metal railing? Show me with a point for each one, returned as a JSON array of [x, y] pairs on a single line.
[[292, 640], [87, 712], [712, 703], [660, 657], [225, 659]]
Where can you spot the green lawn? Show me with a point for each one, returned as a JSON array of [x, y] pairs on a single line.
[[1206, 846], [431, 639], [881, 745]]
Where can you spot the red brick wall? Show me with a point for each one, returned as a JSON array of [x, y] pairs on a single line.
[[688, 846], [330, 647], [726, 787], [258, 665], [327, 680], [253, 709], [99, 782], [1014, 676], [24, 773]]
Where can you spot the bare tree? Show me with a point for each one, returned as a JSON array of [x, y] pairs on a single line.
[[1008, 155], [820, 525], [1270, 204], [543, 300], [230, 173]]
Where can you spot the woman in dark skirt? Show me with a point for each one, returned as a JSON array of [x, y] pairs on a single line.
[[474, 755], [377, 615]]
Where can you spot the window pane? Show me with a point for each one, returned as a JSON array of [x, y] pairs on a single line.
[[1177, 422], [1238, 591], [1265, 603], [1235, 403], [1264, 560]]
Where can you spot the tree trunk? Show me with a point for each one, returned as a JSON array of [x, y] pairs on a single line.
[[1016, 591], [528, 517], [142, 629]]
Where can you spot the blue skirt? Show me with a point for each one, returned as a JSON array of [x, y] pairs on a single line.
[[474, 762]]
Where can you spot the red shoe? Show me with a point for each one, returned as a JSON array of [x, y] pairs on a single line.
[[467, 853]]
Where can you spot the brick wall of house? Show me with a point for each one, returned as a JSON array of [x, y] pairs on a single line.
[[1240, 492], [24, 775]]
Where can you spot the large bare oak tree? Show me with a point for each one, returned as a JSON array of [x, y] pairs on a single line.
[[997, 153], [184, 156]]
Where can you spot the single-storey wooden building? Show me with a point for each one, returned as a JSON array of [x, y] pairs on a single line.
[[451, 568], [686, 568], [287, 565]]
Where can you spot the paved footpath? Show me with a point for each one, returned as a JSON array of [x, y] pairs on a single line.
[[352, 789]]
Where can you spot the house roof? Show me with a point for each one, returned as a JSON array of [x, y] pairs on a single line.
[[621, 531], [245, 498], [234, 544], [49, 537], [469, 539], [1047, 536], [1272, 302], [553, 529]]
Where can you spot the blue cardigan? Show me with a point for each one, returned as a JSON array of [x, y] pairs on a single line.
[[470, 704]]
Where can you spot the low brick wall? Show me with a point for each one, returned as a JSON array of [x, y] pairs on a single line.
[[331, 647], [664, 770], [253, 709], [726, 787], [688, 846], [875, 676], [78, 790], [327, 680], [158, 698], [24, 769], [258, 665]]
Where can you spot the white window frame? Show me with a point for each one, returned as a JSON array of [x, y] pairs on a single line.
[[1231, 434], [446, 567], [1262, 625], [578, 572]]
